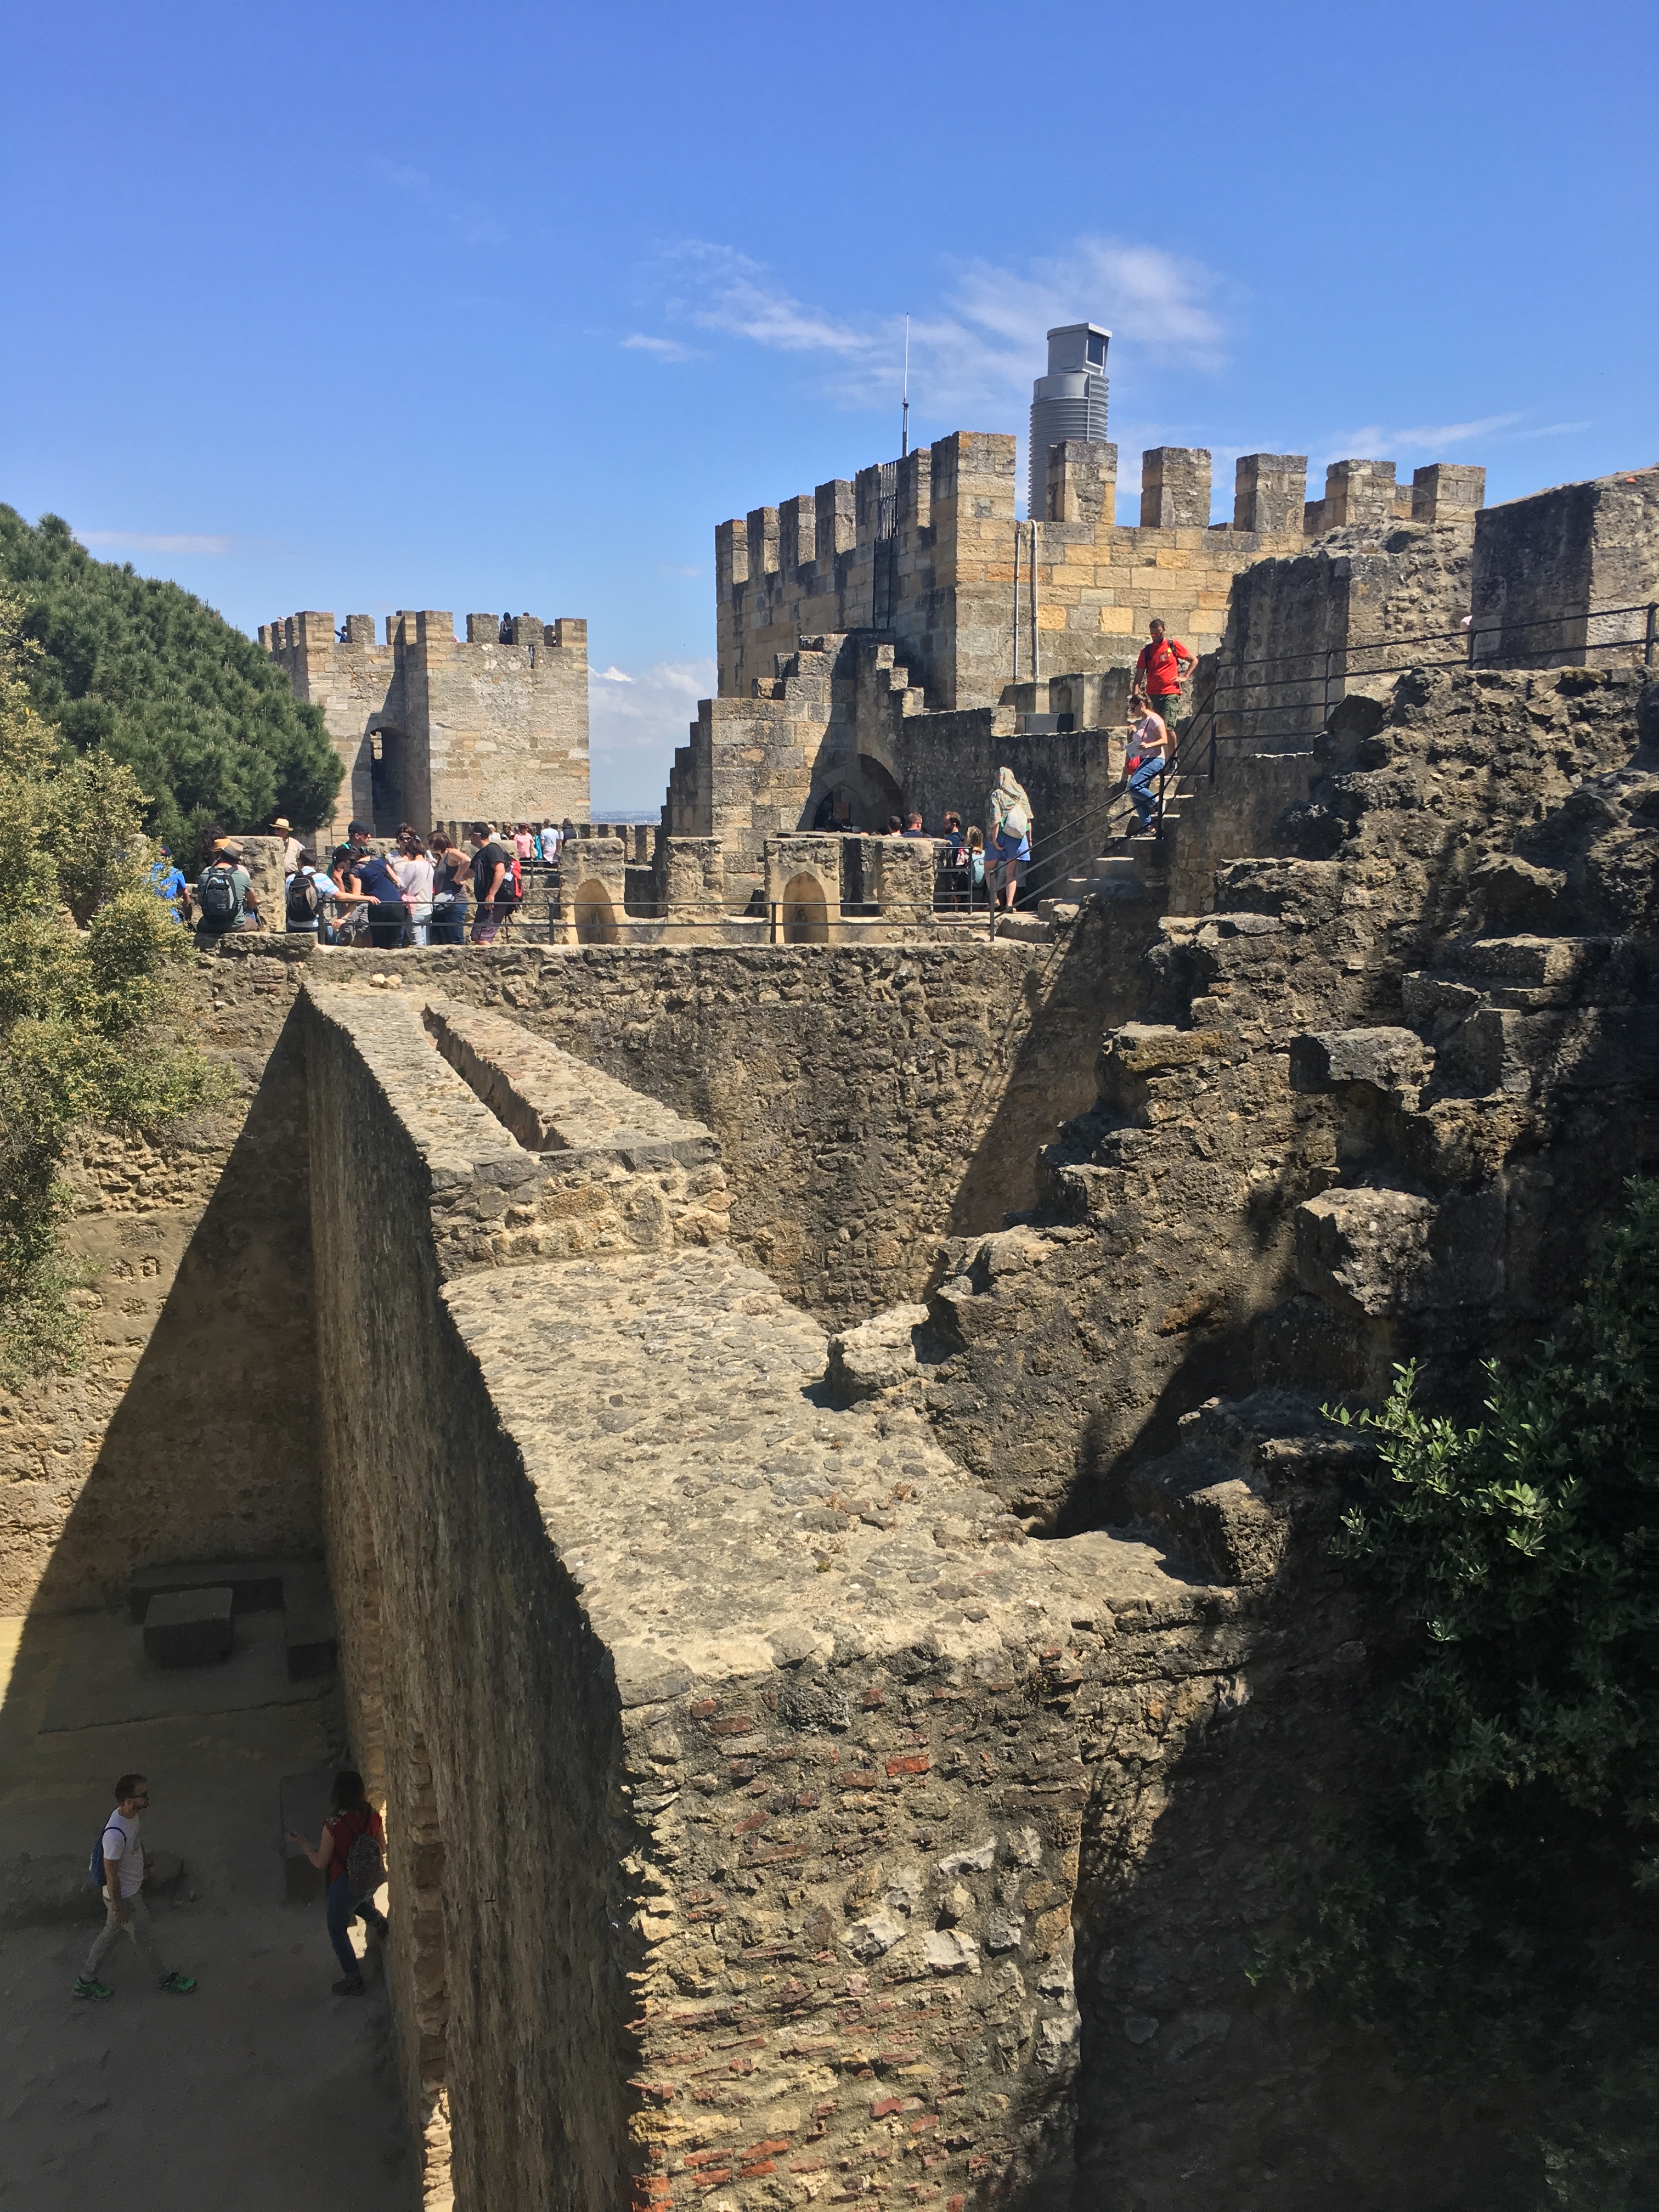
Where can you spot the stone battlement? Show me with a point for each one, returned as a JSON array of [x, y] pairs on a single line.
[[433, 728], [922, 550]]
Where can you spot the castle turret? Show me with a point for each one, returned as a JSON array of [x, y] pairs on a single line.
[[1069, 404]]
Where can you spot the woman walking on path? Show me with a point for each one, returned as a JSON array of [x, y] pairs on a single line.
[[1010, 836], [351, 1855]]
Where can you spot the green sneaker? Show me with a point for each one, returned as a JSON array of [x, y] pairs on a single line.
[[180, 1985], [83, 1988]]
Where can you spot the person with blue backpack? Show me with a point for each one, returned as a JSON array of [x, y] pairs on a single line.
[[117, 1867]]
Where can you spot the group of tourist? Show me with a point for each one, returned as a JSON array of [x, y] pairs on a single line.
[[419, 890]]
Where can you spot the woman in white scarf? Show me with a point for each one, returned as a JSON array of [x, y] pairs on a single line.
[[1010, 815]]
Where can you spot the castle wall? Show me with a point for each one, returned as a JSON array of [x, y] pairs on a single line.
[[1298, 627], [190, 1432], [938, 579], [1541, 563], [746, 1740], [430, 729], [865, 1098]]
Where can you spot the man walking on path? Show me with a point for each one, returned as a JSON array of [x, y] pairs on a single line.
[[1162, 670], [125, 1912]]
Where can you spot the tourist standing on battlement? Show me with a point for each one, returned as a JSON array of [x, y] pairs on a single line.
[[550, 844], [449, 877], [1011, 836], [120, 1865], [489, 869], [414, 873], [1161, 671]]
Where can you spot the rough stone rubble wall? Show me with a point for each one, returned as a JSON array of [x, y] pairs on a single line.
[[785, 1713], [865, 1099], [190, 1432], [1175, 1254]]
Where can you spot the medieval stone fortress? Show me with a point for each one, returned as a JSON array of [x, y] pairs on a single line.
[[827, 1511]]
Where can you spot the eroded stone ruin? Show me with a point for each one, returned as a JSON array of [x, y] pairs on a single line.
[[819, 1453]]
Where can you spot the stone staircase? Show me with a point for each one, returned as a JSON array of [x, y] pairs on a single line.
[[1128, 866]]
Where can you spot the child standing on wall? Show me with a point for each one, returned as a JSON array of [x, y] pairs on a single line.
[[351, 1855]]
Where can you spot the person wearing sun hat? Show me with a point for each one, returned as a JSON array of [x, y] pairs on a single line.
[[292, 847]]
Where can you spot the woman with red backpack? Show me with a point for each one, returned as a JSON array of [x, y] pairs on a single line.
[[351, 1856]]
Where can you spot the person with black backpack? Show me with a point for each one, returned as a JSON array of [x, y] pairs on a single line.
[[224, 892], [351, 1856], [117, 1871]]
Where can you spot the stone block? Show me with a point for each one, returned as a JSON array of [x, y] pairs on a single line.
[[189, 1628], [1447, 491], [1358, 495], [876, 1356], [1174, 488], [256, 1584], [1366, 1251], [1269, 491], [1384, 1058]]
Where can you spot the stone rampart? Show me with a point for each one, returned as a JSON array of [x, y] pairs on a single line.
[[743, 1738], [865, 1098]]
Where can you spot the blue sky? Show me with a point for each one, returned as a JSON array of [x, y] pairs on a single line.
[[362, 307]]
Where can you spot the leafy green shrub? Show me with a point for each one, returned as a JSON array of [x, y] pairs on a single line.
[[1498, 1899], [91, 962]]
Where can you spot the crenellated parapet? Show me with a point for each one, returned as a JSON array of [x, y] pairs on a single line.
[[431, 727]]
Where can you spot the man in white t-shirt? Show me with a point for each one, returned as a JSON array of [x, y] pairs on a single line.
[[549, 841], [125, 1913]]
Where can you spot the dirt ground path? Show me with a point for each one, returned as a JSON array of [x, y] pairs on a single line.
[[261, 2090]]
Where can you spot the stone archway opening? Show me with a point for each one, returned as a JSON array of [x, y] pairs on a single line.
[[595, 915], [805, 911]]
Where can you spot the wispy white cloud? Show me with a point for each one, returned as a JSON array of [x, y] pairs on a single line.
[[665, 350], [152, 541], [636, 718], [678, 568], [977, 350], [1377, 440], [1553, 430]]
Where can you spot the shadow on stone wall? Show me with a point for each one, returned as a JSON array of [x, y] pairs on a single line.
[[1086, 983], [212, 1451], [1195, 2086]]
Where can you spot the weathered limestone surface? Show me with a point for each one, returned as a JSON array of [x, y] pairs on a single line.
[[864, 1097], [190, 1432], [788, 1700]]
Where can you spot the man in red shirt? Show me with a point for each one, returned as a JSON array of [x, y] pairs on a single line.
[[1161, 671]]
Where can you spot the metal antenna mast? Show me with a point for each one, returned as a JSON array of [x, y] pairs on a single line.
[[904, 433]]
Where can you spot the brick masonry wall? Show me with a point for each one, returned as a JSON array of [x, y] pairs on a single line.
[[191, 1431]]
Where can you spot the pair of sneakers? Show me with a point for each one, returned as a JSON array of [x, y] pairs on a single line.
[[177, 1985]]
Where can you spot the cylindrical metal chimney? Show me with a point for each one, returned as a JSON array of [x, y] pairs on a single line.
[[1070, 402]]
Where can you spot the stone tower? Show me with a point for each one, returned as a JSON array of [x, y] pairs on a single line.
[[430, 730]]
